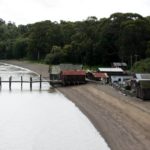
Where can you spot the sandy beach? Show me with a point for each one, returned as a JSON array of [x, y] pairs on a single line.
[[123, 121]]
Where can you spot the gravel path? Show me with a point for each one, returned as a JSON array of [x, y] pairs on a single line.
[[123, 121]]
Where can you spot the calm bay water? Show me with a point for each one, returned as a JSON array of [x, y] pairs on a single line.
[[41, 120]]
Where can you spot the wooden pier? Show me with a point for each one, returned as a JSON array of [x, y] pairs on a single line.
[[30, 81]]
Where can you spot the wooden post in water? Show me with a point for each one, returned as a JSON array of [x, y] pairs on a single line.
[[40, 82], [21, 82], [30, 83], [0, 83], [10, 79]]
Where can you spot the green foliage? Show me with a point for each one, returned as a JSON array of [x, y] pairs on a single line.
[[90, 42], [142, 66], [148, 49], [56, 56], [20, 48]]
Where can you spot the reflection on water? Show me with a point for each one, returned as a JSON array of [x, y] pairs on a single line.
[[42, 120]]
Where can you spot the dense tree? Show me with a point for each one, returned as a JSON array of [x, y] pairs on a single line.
[[20, 48], [142, 66], [56, 56], [134, 38], [90, 42]]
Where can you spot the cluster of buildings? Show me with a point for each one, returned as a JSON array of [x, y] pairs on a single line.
[[117, 76], [67, 74]]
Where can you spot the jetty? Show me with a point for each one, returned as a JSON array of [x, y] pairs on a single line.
[[40, 80]]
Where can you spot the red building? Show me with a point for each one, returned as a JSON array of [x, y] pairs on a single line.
[[70, 77]]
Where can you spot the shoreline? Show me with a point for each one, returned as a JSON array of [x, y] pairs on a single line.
[[41, 69], [121, 120]]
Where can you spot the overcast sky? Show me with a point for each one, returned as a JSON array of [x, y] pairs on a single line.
[[30, 11]]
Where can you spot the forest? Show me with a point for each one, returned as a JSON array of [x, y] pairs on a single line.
[[120, 37]]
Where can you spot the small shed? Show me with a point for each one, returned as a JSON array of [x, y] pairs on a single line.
[[54, 72], [67, 74], [141, 85], [143, 89]]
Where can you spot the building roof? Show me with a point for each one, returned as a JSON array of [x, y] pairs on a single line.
[[144, 76], [124, 77], [119, 64], [73, 72], [100, 75], [56, 69], [70, 67], [110, 69]]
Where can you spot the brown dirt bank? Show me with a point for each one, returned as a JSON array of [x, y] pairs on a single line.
[[123, 121]]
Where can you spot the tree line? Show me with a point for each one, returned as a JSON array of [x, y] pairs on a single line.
[[93, 41]]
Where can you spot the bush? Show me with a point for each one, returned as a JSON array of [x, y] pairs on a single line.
[[142, 66], [55, 58]]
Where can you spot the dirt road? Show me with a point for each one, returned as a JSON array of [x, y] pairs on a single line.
[[123, 121]]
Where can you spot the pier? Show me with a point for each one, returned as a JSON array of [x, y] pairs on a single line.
[[31, 81]]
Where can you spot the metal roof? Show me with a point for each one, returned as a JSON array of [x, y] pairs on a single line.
[[142, 76], [70, 67], [110, 69], [100, 75], [119, 64], [73, 72], [56, 69]]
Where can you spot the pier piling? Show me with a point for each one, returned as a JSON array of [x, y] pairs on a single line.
[[30, 83], [40, 82], [21, 82], [10, 80], [0, 83]]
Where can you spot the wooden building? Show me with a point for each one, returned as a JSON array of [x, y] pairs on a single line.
[[67, 73], [70, 77], [54, 72], [141, 85], [143, 89]]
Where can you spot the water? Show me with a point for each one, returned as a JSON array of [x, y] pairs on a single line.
[[42, 120]]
